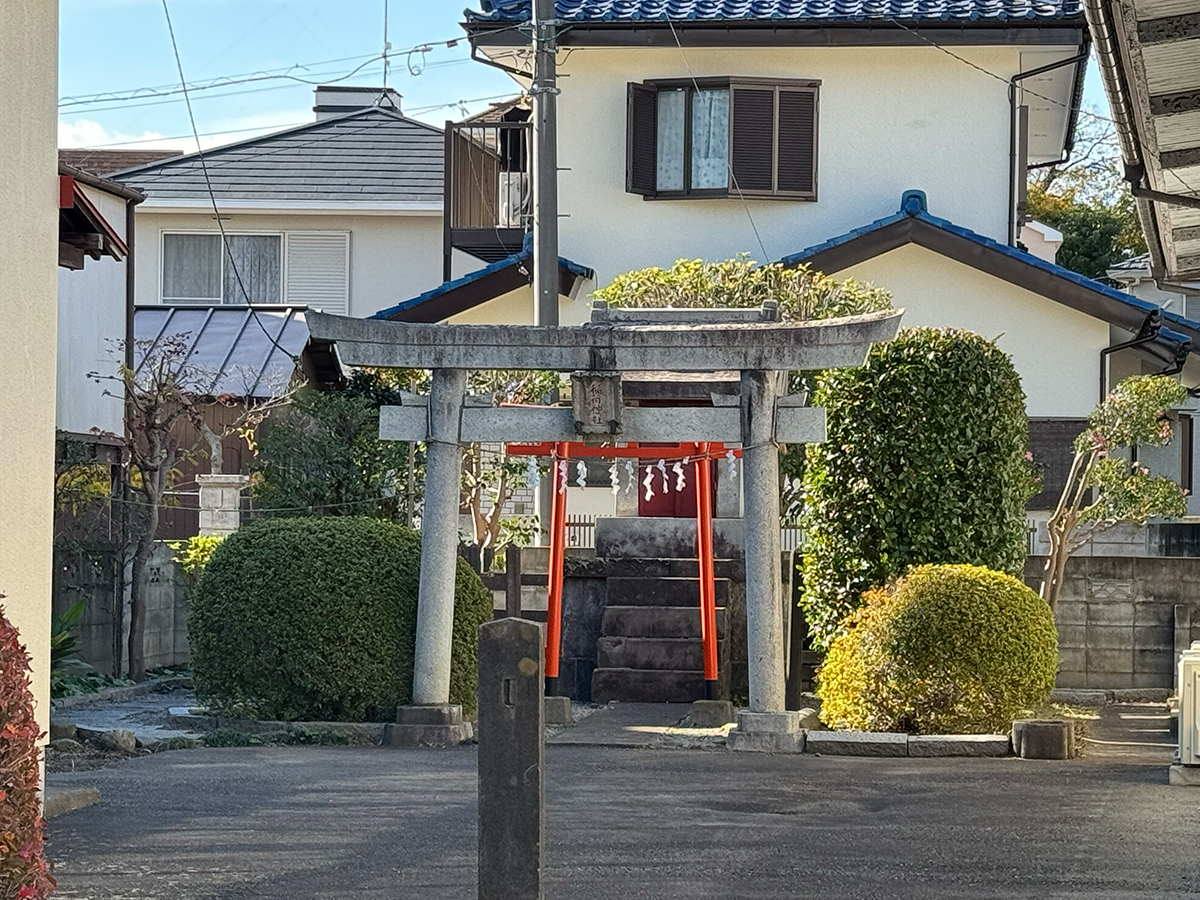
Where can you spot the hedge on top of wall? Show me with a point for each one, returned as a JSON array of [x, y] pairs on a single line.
[[315, 619], [925, 461]]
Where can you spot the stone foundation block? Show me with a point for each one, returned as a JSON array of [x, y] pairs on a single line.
[[427, 735], [438, 725], [766, 742], [558, 711], [857, 743], [959, 745], [768, 723], [711, 713], [1184, 776], [1043, 738]]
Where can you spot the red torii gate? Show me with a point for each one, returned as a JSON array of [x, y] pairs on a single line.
[[701, 456]]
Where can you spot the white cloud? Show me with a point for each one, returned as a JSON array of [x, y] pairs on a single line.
[[92, 134]]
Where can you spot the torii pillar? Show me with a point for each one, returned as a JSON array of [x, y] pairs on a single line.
[[753, 342]]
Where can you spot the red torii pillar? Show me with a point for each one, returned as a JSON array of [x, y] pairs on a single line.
[[562, 451]]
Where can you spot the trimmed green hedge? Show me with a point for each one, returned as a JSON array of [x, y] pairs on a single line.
[[944, 649], [925, 461], [315, 619]]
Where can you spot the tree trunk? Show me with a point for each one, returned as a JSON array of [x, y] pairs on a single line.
[[154, 486]]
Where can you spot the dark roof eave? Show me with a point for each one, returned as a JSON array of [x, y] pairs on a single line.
[[102, 184], [1021, 269], [759, 32]]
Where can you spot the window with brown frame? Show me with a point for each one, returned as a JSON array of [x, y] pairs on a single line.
[[722, 137]]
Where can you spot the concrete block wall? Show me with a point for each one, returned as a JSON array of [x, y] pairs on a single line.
[[166, 642], [1117, 618]]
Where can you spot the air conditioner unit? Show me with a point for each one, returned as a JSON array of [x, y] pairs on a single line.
[[1189, 706]]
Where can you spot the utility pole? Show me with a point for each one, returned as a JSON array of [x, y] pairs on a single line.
[[545, 164]]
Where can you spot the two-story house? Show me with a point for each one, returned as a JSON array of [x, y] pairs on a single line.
[[884, 141]]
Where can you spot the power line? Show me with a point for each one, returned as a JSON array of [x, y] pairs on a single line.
[[728, 156], [213, 197], [290, 73]]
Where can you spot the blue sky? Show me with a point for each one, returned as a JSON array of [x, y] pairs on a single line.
[[220, 38], [120, 46]]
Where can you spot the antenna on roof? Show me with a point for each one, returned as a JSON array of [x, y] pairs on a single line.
[[387, 45]]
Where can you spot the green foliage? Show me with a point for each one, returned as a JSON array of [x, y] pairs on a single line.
[[315, 619], [925, 461], [24, 871], [64, 641], [323, 456], [801, 292], [947, 648], [1089, 202], [193, 554]]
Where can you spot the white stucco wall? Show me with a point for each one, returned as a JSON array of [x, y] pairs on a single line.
[[890, 119], [516, 308], [392, 257], [28, 261], [1056, 350], [91, 329]]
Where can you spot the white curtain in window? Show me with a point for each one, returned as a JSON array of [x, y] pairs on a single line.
[[670, 139], [710, 139], [192, 267], [257, 261]]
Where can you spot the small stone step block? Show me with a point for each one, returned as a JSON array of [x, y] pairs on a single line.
[[658, 622]]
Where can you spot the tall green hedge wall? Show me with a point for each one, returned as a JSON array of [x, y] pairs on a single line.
[[925, 461], [315, 619]]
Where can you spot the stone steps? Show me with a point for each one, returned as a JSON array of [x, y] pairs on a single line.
[[680, 654], [662, 592], [647, 686], [657, 622]]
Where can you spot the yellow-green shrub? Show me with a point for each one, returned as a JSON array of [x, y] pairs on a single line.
[[947, 648]]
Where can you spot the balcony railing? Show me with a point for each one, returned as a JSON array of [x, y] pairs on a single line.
[[488, 189]]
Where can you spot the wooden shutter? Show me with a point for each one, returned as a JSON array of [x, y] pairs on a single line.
[[752, 139], [641, 153], [797, 157], [318, 270]]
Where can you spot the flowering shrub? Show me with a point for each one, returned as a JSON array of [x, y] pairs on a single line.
[[1104, 488], [24, 872]]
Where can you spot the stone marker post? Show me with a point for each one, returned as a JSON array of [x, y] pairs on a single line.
[[439, 540], [512, 747]]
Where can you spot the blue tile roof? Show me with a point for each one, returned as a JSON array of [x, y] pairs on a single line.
[[785, 10], [913, 205], [525, 254]]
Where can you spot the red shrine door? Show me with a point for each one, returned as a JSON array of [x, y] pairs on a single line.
[[670, 504]]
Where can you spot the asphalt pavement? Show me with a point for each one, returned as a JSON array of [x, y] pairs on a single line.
[[291, 823]]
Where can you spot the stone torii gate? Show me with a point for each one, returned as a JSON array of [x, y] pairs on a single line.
[[753, 342]]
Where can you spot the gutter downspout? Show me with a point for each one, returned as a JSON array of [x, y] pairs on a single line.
[[1013, 174], [1147, 333]]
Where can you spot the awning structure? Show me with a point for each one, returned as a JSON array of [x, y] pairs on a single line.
[[1149, 55], [1173, 336], [234, 350], [82, 229]]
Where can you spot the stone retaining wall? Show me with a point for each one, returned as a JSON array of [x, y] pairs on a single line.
[[1123, 620]]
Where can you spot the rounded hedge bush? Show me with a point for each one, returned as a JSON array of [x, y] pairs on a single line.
[[315, 619], [924, 462], [946, 649]]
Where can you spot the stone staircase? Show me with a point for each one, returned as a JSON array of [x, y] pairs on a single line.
[[649, 649]]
